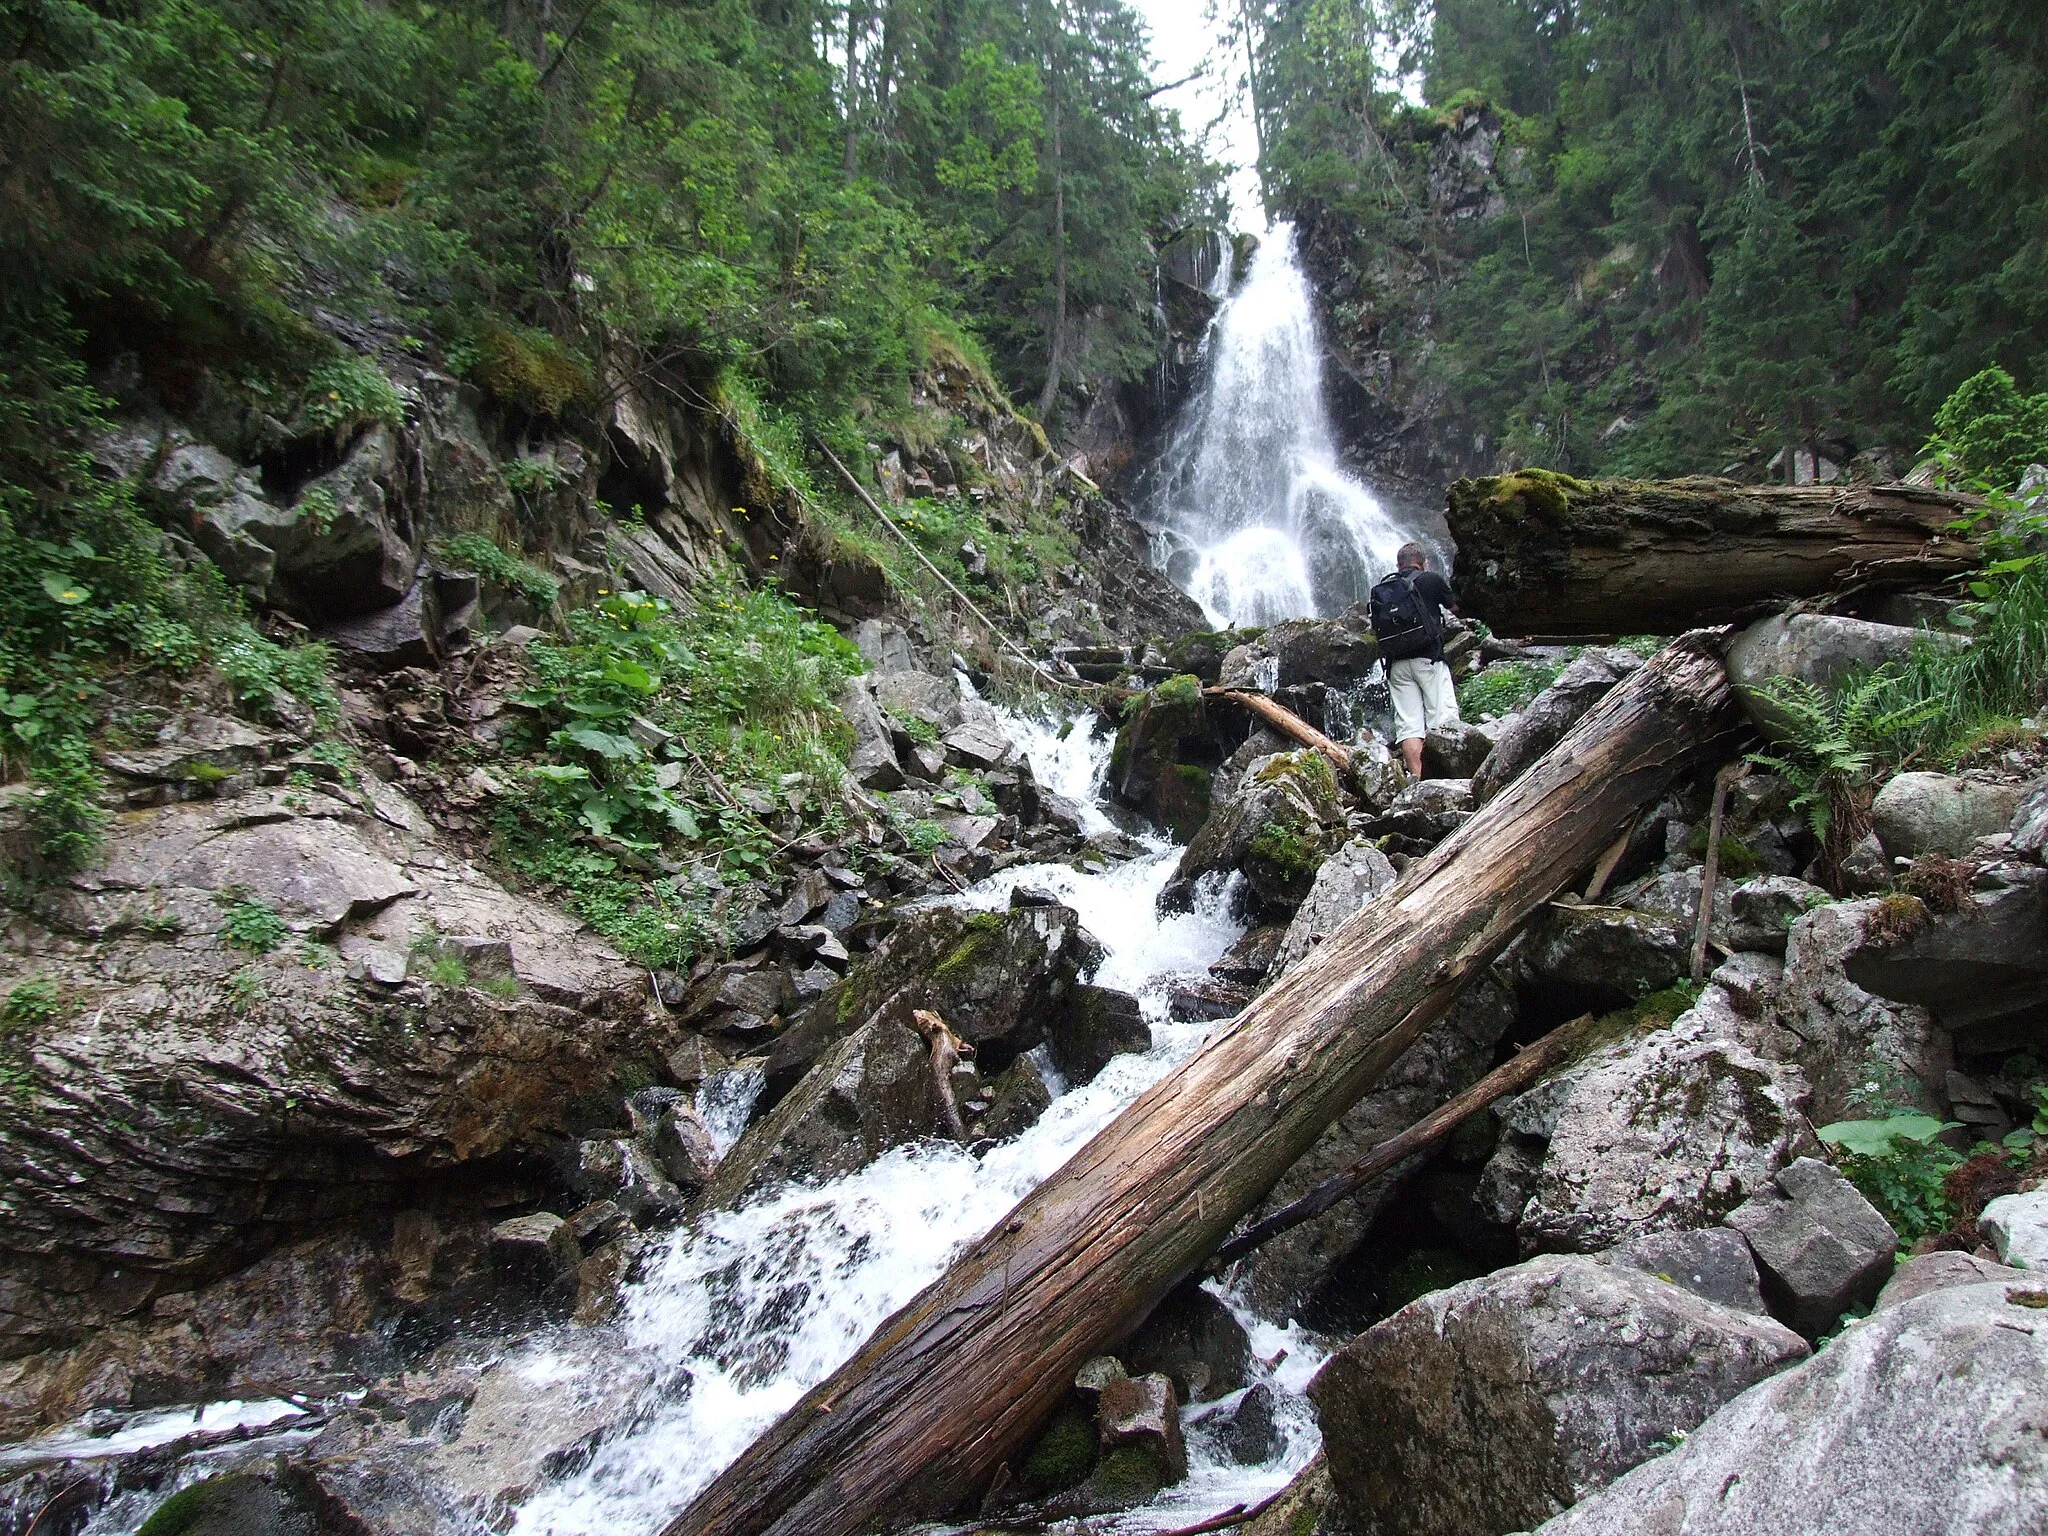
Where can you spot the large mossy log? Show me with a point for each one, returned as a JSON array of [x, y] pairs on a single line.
[[1544, 554], [953, 1386]]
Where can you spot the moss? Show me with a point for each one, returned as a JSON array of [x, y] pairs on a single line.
[[1738, 860], [1181, 691], [1541, 491], [1286, 853], [1311, 770], [963, 957], [529, 369], [1128, 1475], [1063, 1456], [1423, 1271], [1184, 798], [208, 773], [986, 922], [1897, 918]]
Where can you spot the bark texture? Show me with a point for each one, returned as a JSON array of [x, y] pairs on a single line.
[[1540, 553], [954, 1385]]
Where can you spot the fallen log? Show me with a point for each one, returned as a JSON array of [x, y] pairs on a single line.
[[1577, 558], [954, 1385], [1287, 723], [1511, 1076]]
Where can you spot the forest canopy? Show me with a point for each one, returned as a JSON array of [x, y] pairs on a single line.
[[1729, 228]]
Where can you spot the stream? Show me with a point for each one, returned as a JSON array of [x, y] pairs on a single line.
[[748, 1310]]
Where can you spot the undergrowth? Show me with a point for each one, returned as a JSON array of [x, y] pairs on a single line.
[[1504, 688], [691, 746]]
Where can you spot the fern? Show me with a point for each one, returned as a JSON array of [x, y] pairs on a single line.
[[1835, 744]]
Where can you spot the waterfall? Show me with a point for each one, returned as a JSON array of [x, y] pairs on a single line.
[[1263, 522]]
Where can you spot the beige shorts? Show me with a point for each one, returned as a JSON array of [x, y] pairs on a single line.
[[1423, 696]]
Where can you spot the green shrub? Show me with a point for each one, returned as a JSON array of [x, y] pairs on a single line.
[[1987, 430], [475, 552], [348, 393], [254, 926], [30, 1003], [1505, 687], [1900, 1168]]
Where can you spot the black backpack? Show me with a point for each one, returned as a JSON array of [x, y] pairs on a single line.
[[1401, 621]]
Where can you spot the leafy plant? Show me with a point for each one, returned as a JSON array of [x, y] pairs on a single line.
[[1831, 747], [30, 1003], [448, 971], [1900, 1168], [1505, 687], [347, 393], [473, 551], [254, 926]]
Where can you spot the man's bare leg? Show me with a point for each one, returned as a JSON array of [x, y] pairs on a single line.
[[1411, 754]]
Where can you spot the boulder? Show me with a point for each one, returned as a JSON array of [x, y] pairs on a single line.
[[404, 634], [1602, 958], [239, 1503], [1337, 652], [1012, 1102], [1761, 912], [1822, 1247], [1095, 1025], [1276, 829], [1144, 767], [1711, 1262], [1426, 812], [1924, 1421], [999, 979], [1253, 957], [224, 508], [625, 1171], [196, 749], [353, 545], [1137, 1422], [1817, 648], [1456, 750], [873, 762], [1937, 1272], [542, 1245], [1491, 1405], [1247, 1431], [871, 1091], [1842, 1029], [1673, 1130], [2016, 1226], [1981, 973], [1195, 1340], [2029, 825], [1354, 875], [216, 1089], [1552, 713], [1918, 813]]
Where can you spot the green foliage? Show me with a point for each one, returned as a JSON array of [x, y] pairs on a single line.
[[448, 971], [1504, 687], [30, 1004], [1832, 743], [254, 926], [348, 393], [1903, 1175], [1709, 232], [713, 732], [475, 552], [1988, 431]]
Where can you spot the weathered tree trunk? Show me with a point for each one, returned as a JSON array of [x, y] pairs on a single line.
[[1286, 722], [1545, 554], [955, 1384]]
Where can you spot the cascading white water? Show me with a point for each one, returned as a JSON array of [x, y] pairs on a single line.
[[1267, 524], [742, 1313]]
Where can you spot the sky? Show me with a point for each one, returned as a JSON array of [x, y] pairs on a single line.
[[1184, 40]]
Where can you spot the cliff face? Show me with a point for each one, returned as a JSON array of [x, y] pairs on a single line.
[[1406, 429]]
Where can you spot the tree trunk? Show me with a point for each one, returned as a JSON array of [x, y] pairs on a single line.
[[956, 1383], [1286, 722], [1058, 347], [856, 28], [1545, 554]]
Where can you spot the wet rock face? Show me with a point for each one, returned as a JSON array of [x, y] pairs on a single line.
[[1276, 828], [1489, 1406], [245, 1056], [1196, 1341], [1145, 772], [1951, 1386], [1353, 876], [999, 979], [1098, 1024]]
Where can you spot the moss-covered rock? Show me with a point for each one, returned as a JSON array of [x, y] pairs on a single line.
[[1277, 828], [1144, 765]]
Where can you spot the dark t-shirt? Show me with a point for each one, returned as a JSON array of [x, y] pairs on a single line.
[[1436, 595]]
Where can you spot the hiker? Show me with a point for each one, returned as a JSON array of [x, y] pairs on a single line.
[[1408, 621]]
